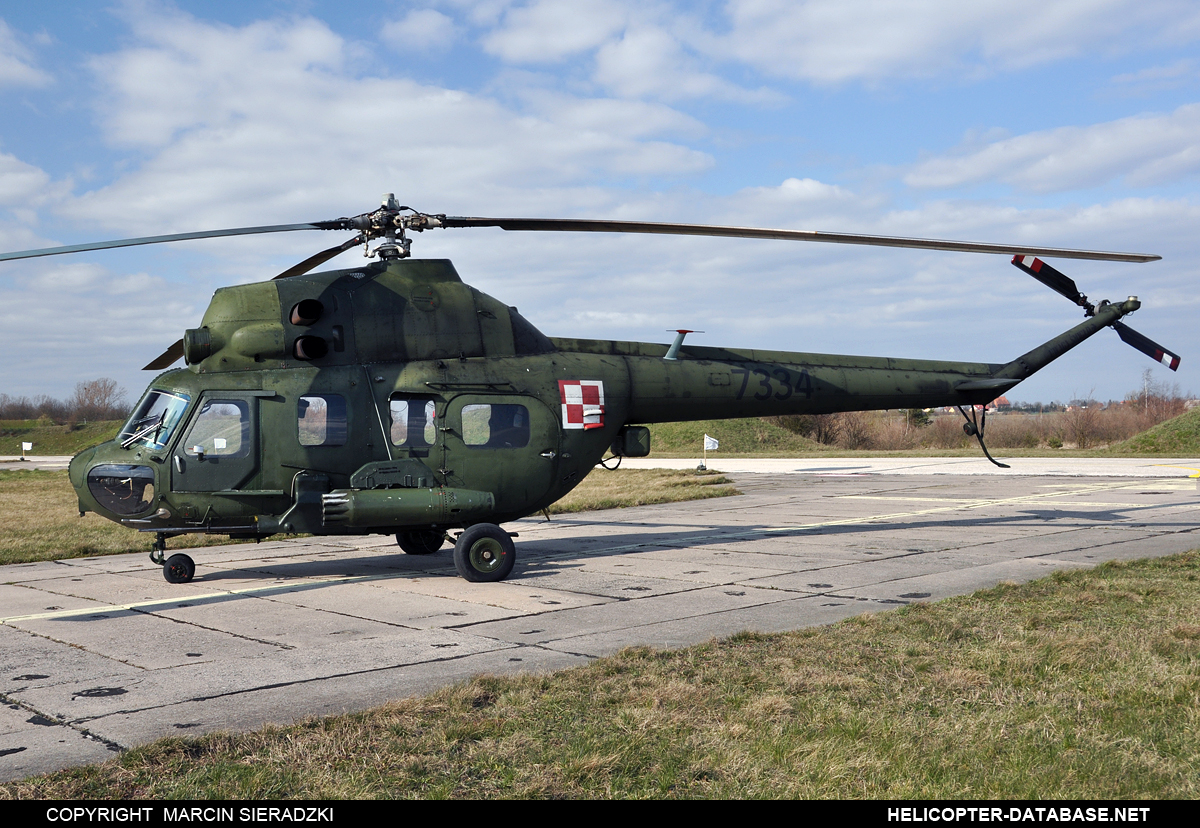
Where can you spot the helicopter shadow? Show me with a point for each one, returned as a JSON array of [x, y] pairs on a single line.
[[973, 530]]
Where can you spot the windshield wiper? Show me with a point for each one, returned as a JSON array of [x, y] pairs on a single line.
[[154, 426]]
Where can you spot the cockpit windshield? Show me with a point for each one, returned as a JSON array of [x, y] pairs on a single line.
[[154, 420]]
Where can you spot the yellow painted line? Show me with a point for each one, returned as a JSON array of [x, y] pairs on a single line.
[[1188, 468]]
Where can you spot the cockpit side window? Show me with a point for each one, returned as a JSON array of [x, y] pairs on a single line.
[[221, 429]]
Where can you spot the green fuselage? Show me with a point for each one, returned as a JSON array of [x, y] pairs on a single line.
[[400, 397]]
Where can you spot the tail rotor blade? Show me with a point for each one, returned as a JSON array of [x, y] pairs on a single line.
[[166, 358], [1053, 279], [319, 259], [1147, 346]]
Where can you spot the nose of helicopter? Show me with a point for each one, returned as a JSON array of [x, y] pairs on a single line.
[[113, 489]]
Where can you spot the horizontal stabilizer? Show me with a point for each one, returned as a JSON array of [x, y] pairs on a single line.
[[1147, 346]]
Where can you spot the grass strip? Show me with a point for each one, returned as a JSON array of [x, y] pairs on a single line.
[[604, 489], [1085, 684], [54, 440], [39, 512]]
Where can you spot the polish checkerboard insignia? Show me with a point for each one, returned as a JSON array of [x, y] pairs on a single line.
[[582, 403]]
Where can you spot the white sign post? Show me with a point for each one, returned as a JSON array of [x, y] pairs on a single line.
[[710, 444], [24, 448]]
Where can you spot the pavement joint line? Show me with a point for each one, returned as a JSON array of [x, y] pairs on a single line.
[[116, 747], [506, 645], [278, 644]]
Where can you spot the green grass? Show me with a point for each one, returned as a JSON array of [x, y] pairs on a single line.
[[53, 440], [1082, 685], [1179, 436], [742, 437]]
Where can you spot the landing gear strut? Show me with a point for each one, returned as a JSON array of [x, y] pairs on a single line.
[[177, 569], [974, 428]]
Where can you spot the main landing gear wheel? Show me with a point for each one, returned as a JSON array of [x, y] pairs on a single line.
[[179, 569], [483, 553], [421, 542]]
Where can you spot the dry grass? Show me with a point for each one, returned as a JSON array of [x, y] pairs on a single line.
[[603, 489], [39, 521], [1082, 685], [1108, 432]]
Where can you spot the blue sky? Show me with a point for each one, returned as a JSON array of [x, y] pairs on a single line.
[[1072, 124]]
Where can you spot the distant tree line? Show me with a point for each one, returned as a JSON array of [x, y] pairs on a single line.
[[99, 399]]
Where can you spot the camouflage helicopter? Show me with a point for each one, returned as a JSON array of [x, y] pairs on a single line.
[[393, 398]]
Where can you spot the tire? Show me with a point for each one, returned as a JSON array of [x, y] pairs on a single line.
[[179, 569], [421, 541], [484, 553]]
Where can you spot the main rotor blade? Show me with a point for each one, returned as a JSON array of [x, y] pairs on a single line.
[[319, 259], [1147, 346], [203, 234], [167, 357], [594, 226]]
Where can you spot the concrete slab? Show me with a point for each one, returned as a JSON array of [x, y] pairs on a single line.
[[101, 654]]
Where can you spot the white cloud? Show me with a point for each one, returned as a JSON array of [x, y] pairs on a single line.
[[649, 61], [17, 65], [802, 190], [546, 31], [187, 73], [20, 183], [421, 30], [832, 41], [283, 131], [1142, 150], [671, 51]]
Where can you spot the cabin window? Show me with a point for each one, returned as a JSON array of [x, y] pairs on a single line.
[[413, 421], [221, 429], [321, 420], [495, 426]]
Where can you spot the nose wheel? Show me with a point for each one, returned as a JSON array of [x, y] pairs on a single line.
[[177, 569]]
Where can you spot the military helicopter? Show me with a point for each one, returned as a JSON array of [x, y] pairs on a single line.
[[394, 398]]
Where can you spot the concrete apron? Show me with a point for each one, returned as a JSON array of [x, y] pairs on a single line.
[[100, 654]]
